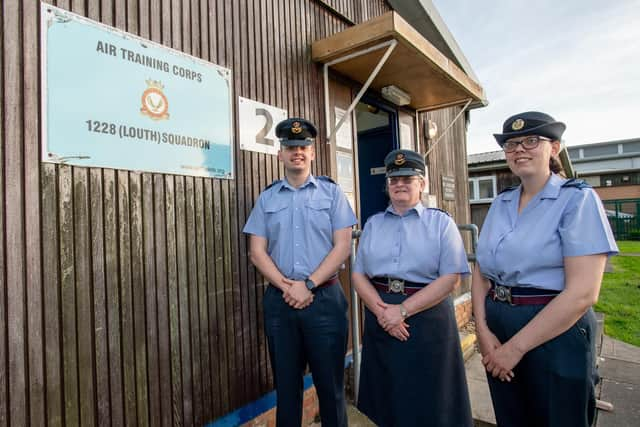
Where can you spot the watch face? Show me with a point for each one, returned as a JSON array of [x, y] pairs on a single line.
[[310, 284]]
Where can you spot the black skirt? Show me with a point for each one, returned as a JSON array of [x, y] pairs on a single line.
[[418, 382]]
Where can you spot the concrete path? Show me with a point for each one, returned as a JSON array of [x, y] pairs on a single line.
[[619, 369]]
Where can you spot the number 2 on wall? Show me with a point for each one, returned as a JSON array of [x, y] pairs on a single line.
[[261, 136]]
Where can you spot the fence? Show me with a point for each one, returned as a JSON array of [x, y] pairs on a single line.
[[623, 217]]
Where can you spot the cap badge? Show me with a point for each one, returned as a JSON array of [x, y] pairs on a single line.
[[400, 160], [517, 124], [295, 127]]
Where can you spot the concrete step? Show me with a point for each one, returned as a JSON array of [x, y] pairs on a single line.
[[468, 344]]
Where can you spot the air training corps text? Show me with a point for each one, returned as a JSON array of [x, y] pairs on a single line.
[[147, 61]]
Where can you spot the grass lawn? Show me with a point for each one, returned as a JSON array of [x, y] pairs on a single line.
[[629, 246], [620, 296]]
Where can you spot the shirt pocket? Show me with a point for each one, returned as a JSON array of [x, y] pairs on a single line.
[[276, 218], [319, 214]]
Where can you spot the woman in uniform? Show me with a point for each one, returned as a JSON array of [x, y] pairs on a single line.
[[409, 260], [541, 256]]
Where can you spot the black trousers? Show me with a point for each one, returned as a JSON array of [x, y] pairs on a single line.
[[554, 384], [317, 336]]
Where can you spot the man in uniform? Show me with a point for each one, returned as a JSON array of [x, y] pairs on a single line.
[[300, 234]]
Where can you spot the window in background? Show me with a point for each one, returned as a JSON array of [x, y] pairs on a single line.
[[593, 180], [482, 189], [600, 150]]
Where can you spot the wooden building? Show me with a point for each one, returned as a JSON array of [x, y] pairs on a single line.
[[127, 297]]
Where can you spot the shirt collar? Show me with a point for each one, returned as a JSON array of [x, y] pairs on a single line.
[[311, 180], [418, 209], [551, 189]]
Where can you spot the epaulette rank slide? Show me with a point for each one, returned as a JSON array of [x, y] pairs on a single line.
[[577, 183], [272, 184], [326, 178], [441, 210], [504, 190]]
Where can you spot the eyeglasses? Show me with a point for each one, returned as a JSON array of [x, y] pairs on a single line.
[[528, 143], [397, 180]]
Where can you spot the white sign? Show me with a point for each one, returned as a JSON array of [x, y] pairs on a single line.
[[343, 136], [406, 140], [345, 171], [381, 170], [111, 99], [257, 126]]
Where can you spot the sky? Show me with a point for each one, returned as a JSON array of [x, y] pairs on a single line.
[[577, 60]]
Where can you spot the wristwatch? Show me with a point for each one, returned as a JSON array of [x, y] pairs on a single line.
[[309, 284], [403, 311]]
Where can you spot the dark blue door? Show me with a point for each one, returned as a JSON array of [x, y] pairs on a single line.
[[373, 145]]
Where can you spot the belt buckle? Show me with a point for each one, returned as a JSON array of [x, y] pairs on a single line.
[[396, 286], [503, 294]]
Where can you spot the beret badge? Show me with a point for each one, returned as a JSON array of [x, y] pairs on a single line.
[[517, 124]]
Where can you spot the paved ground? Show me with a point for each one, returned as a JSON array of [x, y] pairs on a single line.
[[620, 371]]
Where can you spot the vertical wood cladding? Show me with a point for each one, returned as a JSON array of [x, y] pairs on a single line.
[[448, 158], [127, 298]]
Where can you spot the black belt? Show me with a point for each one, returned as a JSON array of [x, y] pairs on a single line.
[[396, 286], [518, 295]]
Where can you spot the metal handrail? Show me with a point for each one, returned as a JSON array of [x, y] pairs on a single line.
[[355, 319], [471, 257]]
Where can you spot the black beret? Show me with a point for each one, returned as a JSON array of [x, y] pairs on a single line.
[[295, 131], [404, 163], [530, 123]]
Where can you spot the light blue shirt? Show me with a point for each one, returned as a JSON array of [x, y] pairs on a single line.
[[528, 249], [419, 246], [298, 223]]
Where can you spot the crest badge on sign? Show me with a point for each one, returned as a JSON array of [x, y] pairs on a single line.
[[154, 101]]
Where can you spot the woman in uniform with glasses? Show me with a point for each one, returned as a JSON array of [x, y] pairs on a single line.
[[541, 257], [409, 260]]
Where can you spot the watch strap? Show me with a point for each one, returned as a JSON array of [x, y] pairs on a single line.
[[403, 311], [310, 284]]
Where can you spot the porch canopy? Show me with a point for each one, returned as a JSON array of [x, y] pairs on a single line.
[[414, 65]]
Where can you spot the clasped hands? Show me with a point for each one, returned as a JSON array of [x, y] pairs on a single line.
[[498, 359], [390, 319], [297, 295]]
